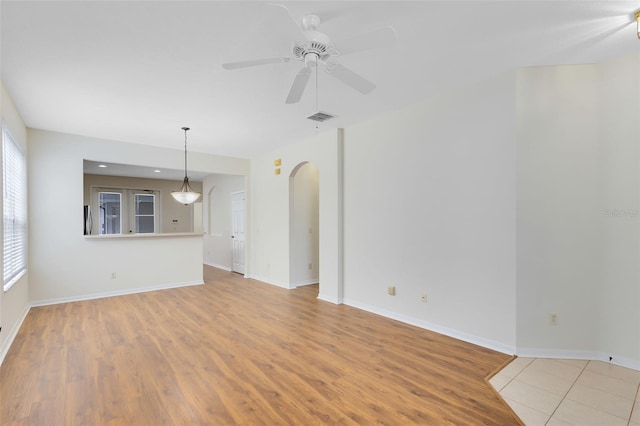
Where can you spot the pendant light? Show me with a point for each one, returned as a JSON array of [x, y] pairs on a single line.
[[638, 23], [185, 194]]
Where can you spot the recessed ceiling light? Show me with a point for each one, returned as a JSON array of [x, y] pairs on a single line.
[[156, 171], [102, 166]]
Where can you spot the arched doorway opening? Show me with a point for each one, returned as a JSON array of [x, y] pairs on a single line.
[[304, 225]]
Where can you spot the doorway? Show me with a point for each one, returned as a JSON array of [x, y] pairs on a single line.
[[304, 224], [238, 202]]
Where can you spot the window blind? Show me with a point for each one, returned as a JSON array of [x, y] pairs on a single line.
[[14, 195]]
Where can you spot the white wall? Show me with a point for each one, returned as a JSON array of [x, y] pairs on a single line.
[[558, 207], [578, 211], [429, 207], [217, 218], [65, 264], [619, 293], [13, 303], [269, 213], [303, 225]]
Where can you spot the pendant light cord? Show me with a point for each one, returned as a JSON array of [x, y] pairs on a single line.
[[185, 151]]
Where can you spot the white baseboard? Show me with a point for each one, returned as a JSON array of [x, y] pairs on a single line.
[[305, 282], [13, 333], [582, 355], [270, 281], [215, 265], [329, 299], [56, 301], [556, 353], [456, 334]]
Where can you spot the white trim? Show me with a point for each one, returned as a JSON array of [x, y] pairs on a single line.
[[215, 265], [556, 353], [456, 334], [582, 355], [305, 282], [56, 301], [14, 280], [271, 282], [134, 235], [13, 333], [329, 299]]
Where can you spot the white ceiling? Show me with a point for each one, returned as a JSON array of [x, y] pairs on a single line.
[[139, 71]]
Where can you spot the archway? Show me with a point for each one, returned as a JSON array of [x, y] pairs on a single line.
[[304, 225]]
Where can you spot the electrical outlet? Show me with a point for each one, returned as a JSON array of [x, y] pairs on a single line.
[[553, 319], [113, 275], [424, 297], [391, 290], [310, 266]]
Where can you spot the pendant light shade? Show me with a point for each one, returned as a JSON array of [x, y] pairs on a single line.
[[185, 194]]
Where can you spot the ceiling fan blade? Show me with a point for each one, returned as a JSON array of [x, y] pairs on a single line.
[[298, 86], [382, 37], [255, 62], [350, 78]]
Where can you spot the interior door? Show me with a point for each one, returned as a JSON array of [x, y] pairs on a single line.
[[237, 231]]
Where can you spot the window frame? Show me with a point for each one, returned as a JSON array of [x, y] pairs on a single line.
[[120, 213], [135, 215], [14, 199], [127, 208]]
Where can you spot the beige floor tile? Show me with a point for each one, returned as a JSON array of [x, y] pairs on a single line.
[[547, 382], [635, 416], [499, 381], [608, 384], [514, 368], [594, 392], [601, 400], [532, 397], [529, 416], [555, 422], [622, 373], [578, 414], [577, 363], [555, 368]]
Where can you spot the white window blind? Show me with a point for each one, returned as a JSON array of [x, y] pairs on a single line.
[[14, 195]]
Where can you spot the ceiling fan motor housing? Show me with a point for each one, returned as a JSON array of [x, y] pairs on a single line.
[[318, 47]]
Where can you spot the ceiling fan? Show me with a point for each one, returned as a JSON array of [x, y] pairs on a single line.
[[318, 50]]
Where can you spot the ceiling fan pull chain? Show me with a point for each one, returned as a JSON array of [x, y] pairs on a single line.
[[317, 95]]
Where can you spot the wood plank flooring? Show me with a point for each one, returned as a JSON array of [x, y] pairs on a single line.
[[237, 351]]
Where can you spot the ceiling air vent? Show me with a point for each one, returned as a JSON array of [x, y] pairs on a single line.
[[320, 116]]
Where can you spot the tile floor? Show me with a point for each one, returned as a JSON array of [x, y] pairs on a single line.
[[558, 392]]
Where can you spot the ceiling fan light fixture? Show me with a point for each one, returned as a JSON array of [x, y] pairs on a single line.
[[185, 195], [638, 23]]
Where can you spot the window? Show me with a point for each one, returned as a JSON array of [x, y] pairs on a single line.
[[145, 213], [125, 211], [14, 196], [110, 213]]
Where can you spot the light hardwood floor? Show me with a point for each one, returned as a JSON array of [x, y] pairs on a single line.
[[237, 351]]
